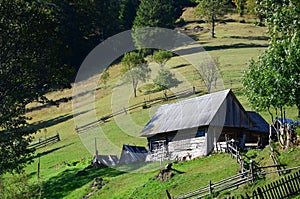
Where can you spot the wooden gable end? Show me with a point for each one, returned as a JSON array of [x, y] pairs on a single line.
[[236, 116]]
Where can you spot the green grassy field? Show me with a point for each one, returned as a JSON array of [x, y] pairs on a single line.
[[235, 44]]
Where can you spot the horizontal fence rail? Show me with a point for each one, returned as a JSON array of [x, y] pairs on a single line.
[[285, 187], [45, 142], [228, 183]]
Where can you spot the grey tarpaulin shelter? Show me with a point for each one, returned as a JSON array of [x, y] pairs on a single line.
[[193, 127]]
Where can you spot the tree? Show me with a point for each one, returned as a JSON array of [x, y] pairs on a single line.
[[210, 10], [152, 13], [135, 69], [161, 57], [240, 6], [104, 77], [253, 7], [83, 24], [209, 72], [128, 11], [29, 68], [274, 80], [155, 13], [165, 80]]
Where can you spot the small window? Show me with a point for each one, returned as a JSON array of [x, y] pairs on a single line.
[[200, 133]]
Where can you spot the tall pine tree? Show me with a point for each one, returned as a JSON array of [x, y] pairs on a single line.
[[155, 13]]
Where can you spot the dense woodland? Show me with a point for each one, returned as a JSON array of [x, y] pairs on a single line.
[[43, 43]]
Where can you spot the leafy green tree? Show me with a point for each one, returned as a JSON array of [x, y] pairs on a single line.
[[135, 69], [252, 7], [240, 6], [128, 11], [161, 57], [274, 80], [165, 80], [29, 67], [104, 77], [211, 10]]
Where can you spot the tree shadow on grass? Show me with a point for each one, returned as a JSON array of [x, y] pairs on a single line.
[[71, 179], [51, 150], [189, 51], [48, 123]]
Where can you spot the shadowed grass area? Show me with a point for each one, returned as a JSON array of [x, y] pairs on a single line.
[[69, 180], [191, 175]]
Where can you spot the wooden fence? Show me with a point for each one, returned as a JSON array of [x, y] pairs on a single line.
[[45, 142], [225, 184], [149, 102], [283, 188], [280, 189], [233, 149]]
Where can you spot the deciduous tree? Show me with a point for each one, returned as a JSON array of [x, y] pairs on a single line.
[[165, 80], [274, 80], [104, 77], [211, 10], [161, 57], [29, 67], [209, 72], [135, 69]]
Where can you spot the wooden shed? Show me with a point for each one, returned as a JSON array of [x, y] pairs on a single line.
[[194, 127], [131, 154]]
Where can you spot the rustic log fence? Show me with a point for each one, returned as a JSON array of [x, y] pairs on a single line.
[[232, 182], [233, 149], [283, 188], [279, 189], [47, 141], [149, 102]]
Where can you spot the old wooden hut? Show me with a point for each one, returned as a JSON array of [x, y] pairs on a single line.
[[194, 127], [131, 154]]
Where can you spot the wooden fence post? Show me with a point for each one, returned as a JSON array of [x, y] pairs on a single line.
[[252, 170], [168, 194], [210, 188], [39, 169], [58, 137]]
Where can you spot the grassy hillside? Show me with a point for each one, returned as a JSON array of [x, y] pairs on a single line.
[[62, 164]]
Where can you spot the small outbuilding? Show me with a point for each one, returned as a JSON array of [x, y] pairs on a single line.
[[107, 160], [131, 154], [194, 127]]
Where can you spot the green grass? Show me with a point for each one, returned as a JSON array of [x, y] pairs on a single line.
[[235, 45], [148, 186]]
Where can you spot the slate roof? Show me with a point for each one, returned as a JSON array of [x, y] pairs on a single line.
[[133, 154], [260, 124], [191, 113]]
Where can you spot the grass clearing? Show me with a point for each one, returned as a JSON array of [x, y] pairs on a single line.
[[235, 44]]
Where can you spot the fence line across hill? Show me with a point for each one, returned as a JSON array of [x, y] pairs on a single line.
[[283, 188], [225, 184], [45, 142], [145, 104]]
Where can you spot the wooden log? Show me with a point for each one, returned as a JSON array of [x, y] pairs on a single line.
[[297, 180], [291, 184], [260, 193], [168, 194], [284, 190], [287, 185], [271, 191], [278, 189], [252, 170]]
